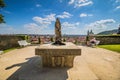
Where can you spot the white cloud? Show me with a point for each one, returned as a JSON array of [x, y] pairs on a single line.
[[100, 25], [118, 7], [50, 17], [105, 21], [71, 2], [7, 29], [65, 15], [46, 20], [117, 1], [85, 15], [38, 5], [80, 3], [41, 20], [40, 25], [84, 4], [3, 25], [70, 25], [32, 28], [73, 28]]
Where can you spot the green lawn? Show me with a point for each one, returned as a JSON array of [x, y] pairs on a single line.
[[5, 51], [114, 47]]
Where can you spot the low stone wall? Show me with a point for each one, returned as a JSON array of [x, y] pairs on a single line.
[[9, 41], [113, 39]]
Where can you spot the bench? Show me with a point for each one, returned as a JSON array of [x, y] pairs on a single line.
[[1, 52], [94, 44], [23, 43]]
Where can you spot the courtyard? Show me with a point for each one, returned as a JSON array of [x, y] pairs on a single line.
[[93, 64]]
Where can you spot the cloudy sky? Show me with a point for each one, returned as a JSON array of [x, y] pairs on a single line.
[[76, 16]]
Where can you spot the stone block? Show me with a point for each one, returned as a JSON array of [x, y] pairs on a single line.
[[58, 56]]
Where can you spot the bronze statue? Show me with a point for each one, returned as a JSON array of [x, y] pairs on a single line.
[[58, 37]]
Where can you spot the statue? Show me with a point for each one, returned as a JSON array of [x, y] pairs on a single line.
[[58, 37], [57, 30]]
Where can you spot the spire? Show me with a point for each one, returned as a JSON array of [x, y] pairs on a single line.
[[91, 32], [88, 33]]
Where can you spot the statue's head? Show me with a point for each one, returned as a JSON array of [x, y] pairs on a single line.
[[57, 20]]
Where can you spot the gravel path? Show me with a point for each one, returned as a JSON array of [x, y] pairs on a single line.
[[93, 64]]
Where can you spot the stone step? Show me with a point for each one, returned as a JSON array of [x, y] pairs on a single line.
[[81, 71]]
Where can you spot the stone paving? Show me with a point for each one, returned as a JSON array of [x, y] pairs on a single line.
[[93, 64]]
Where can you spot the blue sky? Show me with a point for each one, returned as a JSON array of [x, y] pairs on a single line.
[[76, 16]]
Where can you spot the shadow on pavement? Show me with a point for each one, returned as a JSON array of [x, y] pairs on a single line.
[[31, 70]]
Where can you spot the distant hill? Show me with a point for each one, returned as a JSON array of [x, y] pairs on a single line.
[[108, 32]]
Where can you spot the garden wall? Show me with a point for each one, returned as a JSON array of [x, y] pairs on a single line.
[[113, 39], [9, 41]]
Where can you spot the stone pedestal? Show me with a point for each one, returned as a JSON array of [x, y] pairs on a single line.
[[58, 56]]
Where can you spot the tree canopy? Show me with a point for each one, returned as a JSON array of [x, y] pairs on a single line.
[[118, 30], [2, 4]]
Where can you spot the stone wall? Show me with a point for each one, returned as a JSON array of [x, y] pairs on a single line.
[[9, 41], [113, 39]]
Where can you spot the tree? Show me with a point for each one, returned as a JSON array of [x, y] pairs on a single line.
[[88, 33], [2, 5], [118, 30], [51, 39], [64, 40], [39, 40], [87, 38]]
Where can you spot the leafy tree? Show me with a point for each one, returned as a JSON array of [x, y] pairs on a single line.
[[76, 42], [118, 30], [64, 40], [87, 38], [51, 39], [2, 4], [39, 40], [88, 34]]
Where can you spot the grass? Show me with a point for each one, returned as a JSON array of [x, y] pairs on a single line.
[[113, 47], [7, 50]]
